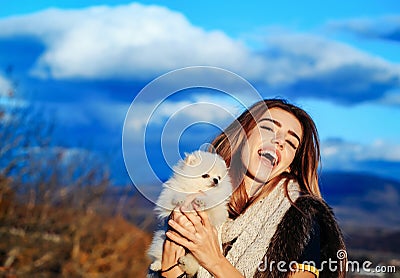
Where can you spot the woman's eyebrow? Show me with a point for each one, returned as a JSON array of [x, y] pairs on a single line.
[[275, 122], [271, 120]]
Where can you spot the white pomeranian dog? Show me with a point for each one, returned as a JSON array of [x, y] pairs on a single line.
[[204, 176]]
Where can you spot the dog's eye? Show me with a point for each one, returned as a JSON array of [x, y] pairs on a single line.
[[219, 177], [205, 176]]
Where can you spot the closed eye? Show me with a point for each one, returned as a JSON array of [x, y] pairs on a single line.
[[267, 128], [291, 144]]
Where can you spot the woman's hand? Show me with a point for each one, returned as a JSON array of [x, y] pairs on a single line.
[[194, 231]]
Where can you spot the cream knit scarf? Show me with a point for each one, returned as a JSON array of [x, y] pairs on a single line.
[[254, 229]]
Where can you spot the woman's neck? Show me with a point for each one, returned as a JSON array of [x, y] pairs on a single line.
[[252, 186]]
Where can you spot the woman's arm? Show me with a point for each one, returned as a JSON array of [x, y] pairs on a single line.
[[171, 253], [202, 243]]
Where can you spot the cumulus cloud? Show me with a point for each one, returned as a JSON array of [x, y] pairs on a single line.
[[384, 28], [122, 41], [392, 98], [379, 157], [378, 150], [302, 56], [309, 65]]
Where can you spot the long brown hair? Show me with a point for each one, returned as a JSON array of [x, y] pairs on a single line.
[[304, 167]]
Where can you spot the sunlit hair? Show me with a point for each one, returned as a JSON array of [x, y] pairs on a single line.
[[304, 168]]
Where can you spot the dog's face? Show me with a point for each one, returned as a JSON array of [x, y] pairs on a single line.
[[204, 170]]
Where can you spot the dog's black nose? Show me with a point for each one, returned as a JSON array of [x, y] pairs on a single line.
[[215, 180]]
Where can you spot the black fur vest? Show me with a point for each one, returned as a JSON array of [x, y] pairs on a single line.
[[293, 234]]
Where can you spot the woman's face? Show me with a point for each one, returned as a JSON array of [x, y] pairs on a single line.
[[272, 144]]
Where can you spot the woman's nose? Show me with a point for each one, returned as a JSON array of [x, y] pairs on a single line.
[[279, 141]]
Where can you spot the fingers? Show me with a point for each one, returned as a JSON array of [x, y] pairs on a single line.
[[194, 219], [182, 236], [178, 239], [182, 220], [188, 227], [203, 216], [182, 230], [199, 218]]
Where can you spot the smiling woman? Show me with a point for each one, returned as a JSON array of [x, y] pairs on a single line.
[[271, 144], [279, 225]]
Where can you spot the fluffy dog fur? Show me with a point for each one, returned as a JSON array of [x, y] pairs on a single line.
[[203, 178]]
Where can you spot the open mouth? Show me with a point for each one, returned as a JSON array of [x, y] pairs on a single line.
[[269, 155]]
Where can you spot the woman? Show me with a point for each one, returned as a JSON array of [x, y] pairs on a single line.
[[278, 219]]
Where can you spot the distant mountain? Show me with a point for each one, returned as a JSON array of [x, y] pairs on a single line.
[[358, 200], [362, 199]]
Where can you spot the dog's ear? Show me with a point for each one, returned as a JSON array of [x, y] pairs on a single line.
[[190, 159]]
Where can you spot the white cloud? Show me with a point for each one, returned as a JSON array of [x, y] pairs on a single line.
[[338, 154], [124, 41], [305, 56], [381, 157], [5, 86], [380, 150], [383, 27], [391, 98]]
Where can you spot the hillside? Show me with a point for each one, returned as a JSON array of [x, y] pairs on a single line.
[[362, 200], [61, 242]]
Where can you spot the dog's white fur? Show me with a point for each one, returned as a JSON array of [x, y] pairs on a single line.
[[203, 178]]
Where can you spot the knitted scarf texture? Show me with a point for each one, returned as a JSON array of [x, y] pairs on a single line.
[[253, 230]]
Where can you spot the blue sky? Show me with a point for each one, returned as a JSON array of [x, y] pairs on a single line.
[[85, 61]]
